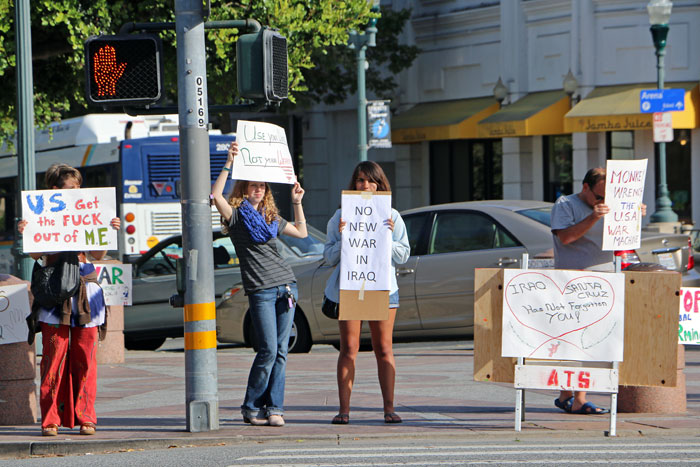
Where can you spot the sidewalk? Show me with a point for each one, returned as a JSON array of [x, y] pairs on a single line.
[[141, 403]]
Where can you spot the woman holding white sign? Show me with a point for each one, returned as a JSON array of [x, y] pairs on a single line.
[[251, 219], [368, 176], [70, 333]]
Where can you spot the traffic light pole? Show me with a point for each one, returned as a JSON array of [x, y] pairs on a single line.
[[201, 374], [25, 127]]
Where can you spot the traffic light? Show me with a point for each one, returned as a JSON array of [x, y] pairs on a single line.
[[126, 69], [262, 65]]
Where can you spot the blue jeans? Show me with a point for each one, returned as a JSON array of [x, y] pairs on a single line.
[[272, 321]]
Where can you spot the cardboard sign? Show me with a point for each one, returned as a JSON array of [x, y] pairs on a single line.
[[566, 379], [69, 220], [115, 280], [563, 315], [365, 258], [14, 309], [263, 154], [624, 189], [689, 316]]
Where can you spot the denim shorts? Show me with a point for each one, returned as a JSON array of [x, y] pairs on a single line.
[[394, 300]]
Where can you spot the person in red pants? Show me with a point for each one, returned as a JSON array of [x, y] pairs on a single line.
[[69, 362]]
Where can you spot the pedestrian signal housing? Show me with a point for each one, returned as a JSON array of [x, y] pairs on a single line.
[[262, 66], [125, 69]]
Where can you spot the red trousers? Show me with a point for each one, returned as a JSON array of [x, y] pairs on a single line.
[[68, 376]]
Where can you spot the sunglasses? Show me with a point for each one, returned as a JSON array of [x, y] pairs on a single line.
[[598, 197]]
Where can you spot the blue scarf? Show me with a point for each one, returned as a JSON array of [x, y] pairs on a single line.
[[259, 230]]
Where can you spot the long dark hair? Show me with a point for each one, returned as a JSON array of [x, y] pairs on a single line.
[[373, 172]]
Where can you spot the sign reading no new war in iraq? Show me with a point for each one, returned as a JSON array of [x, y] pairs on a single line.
[[263, 154], [365, 258]]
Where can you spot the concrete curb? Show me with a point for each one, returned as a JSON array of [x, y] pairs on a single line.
[[67, 447]]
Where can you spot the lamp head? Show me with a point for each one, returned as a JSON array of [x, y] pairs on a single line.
[[570, 84], [500, 91], [659, 11]]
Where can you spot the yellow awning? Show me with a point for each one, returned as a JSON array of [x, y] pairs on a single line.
[[616, 108], [540, 113], [433, 121]]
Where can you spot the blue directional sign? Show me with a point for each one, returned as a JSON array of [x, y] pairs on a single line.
[[661, 100]]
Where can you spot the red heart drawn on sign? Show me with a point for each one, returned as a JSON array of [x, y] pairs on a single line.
[[539, 304]]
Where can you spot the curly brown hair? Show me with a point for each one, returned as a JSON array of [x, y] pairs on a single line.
[[267, 206]]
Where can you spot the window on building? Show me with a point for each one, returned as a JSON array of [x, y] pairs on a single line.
[[465, 170], [557, 166], [677, 174], [619, 145]]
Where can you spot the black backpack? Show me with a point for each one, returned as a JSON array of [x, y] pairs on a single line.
[[52, 285]]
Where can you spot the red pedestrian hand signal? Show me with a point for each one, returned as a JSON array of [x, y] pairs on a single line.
[[107, 71]]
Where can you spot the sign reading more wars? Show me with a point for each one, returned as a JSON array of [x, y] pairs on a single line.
[[365, 259], [379, 123], [69, 220], [624, 189], [563, 315], [115, 280], [263, 154]]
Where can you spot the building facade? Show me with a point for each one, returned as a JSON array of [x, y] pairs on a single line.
[[516, 99]]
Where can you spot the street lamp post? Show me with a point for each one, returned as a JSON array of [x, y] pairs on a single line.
[[659, 14], [360, 42]]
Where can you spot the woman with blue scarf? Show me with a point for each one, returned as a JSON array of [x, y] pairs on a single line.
[[250, 217]]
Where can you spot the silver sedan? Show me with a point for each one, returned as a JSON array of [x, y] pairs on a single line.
[[436, 286]]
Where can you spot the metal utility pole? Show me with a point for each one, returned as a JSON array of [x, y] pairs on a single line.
[[25, 127], [201, 375], [360, 42]]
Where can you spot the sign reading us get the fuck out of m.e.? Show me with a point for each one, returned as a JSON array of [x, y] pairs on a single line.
[[69, 220]]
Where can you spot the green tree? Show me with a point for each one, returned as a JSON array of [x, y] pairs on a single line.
[[60, 27]]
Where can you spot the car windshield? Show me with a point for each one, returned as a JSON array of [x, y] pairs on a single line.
[[309, 246], [541, 215]]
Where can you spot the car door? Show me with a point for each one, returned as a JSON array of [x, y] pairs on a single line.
[[458, 243], [227, 271], [153, 284]]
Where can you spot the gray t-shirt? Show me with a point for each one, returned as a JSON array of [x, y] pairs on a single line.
[[262, 266], [586, 252]]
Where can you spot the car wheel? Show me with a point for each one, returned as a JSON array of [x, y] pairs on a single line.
[[299, 337], [143, 344]]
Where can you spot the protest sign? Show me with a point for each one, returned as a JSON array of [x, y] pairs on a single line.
[[263, 154], [365, 260], [115, 280], [624, 189], [563, 315], [689, 316], [69, 220], [14, 309]]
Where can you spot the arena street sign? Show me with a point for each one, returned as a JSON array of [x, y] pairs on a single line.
[[661, 100]]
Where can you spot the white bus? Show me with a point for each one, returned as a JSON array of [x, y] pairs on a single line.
[[140, 156]]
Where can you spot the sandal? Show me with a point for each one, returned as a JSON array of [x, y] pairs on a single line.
[[87, 428], [341, 419], [50, 430], [392, 417]]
